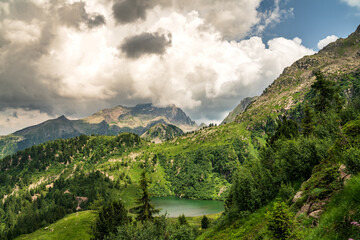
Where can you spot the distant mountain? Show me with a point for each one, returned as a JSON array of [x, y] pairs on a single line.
[[162, 132], [112, 121], [142, 117], [239, 109]]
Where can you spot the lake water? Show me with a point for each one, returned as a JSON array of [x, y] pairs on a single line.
[[175, 206]]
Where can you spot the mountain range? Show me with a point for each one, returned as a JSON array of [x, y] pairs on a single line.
[[110, 121]]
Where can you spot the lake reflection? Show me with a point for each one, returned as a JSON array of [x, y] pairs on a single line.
[[175, 206]]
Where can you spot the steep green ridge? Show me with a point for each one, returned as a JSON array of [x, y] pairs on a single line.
[[162, 132], [239, 109], [113, 121], [299, 187]]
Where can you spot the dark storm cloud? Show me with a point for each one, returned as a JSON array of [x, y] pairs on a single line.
[[145, 43], [128, 11], [22, 86], [95, 20], [72, 15]]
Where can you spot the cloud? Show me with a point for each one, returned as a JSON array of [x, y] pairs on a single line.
[[12, 120], [128, 11], [233, 18], [73, 15], [95, 20], [204, 74], [352, 3], [145, 43], [186, 53], [324, 42]]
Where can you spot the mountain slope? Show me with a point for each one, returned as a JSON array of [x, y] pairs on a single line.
[[239, 109], [112, 121], [336, 61], [162, 132]]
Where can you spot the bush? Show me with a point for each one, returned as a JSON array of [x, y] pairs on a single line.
[[352, 160]]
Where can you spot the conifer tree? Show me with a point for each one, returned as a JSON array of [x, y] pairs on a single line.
[[182, 220], [280, 221], [110, 217], [205, 223], [145, 210], [307, 122], [325, 92]]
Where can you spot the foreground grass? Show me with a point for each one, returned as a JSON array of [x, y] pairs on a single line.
[[196, 221], [78, 226], [247, 228], [73, 226]]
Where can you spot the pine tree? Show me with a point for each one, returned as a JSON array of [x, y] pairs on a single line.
[[182, 220], [205, 223], [145, 211], [280, 221], [110, 217], [307, 122], [325, 92]]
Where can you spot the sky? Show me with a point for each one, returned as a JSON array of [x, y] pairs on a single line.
[[74, 58]]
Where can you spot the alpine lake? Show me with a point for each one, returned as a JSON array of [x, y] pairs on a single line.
[[175, 206]]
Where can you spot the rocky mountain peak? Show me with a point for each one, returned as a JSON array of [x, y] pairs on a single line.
[[358, 30]]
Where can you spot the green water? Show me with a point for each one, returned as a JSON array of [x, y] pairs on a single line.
[[175, 206]]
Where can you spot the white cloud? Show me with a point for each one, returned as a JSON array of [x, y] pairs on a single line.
[[352, 3], [14, 119], [20, 32], [79, 71], [324, 42]]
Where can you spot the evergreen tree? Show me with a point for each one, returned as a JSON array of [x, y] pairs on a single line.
[[205, 223], [286, 129], [280, 221], [325, 92], [182, 220], [145, 211], [110, 217], [307, 122]]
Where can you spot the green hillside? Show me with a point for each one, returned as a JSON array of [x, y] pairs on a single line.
[[73, 226]]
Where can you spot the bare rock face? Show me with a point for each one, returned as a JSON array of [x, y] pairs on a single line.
[[344, 176], [316, 214], [304, 209], [297, 196]]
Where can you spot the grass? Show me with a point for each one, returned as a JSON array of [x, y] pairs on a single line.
[[248, 227], [196, 221], [73, 226], [344, 208], [78, 226]]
